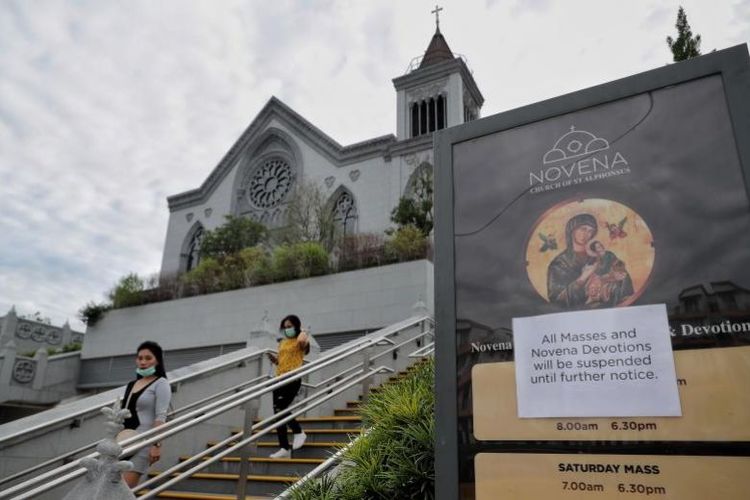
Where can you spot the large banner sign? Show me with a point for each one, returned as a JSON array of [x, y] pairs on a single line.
[[593, 292]]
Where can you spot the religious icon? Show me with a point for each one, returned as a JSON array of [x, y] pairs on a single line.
[[587, 272]]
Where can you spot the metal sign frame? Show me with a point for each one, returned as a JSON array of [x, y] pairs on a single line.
[[733, 64]]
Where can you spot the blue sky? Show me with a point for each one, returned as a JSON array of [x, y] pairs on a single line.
[[108, 107]]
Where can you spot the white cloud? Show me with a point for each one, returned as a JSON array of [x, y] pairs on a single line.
[[108, 107]]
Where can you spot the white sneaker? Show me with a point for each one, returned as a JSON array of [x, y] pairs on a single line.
[[299, 440], [282, 453]]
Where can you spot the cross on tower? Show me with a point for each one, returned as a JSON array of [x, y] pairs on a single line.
[[437, 16]]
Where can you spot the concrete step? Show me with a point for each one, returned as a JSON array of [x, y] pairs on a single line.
[[259, 485], [270, 466], [310, 450], [343, 412], [188, 495], [343, 435], [353, 404], [335, 422]]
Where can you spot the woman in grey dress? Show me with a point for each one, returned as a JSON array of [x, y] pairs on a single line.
[[147, 397]]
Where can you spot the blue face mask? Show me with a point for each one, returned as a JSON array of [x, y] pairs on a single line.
[[290, 332], [146, 372]]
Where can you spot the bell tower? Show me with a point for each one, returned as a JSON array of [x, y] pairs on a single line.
[[437, 91]]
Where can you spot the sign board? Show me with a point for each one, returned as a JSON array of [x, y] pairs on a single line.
[[593, 291], [613, 362]]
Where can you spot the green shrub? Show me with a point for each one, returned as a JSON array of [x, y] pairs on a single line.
[[416, 208], [396, 460], [284, 264], [359, 251], [128, 292], [407, 243], [299, 260], [205, 278], [231, 237], [71, 347], [257, 265], [248, 267], [312, 258], [93, 312]]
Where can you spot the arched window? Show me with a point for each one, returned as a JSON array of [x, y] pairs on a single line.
[[420, 183], [428, 115], [191, 255], [345, 213], [414, 119]]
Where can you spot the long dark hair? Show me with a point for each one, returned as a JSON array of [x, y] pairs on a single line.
[[156, 350], [294, 320]]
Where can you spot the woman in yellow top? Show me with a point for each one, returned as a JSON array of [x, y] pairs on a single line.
[[292, 349]]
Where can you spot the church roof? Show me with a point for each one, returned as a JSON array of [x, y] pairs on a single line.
[[438, 51], [256, 133]]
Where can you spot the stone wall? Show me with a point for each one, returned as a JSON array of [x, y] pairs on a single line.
[[363, 300]]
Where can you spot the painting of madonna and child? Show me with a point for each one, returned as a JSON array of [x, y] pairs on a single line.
[[590, 253]]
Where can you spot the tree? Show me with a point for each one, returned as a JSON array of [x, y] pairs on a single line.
[[309, 217], [416, 209], [685, 46], [128, 291], [231, 237]]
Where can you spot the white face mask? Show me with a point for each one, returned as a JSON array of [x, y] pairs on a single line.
[[290, 332], [146, 372]]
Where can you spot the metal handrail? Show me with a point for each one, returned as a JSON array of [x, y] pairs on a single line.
[[165, 430], [181, 423], [397, 346], [229, 390], [224, 442], [380, 355], [320, 468], [81, 449], [327, 394], [94, 409], [88, 446], [429, 349]]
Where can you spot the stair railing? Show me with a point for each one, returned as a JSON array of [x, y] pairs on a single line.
[[93, 410], [65, 473], [422, 352], [262, 428], [320, 469]]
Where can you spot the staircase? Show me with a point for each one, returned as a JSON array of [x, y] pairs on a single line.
[[268, 477], [209, 411]]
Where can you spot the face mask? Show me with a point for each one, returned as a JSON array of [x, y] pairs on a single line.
[[290, 332], [146, 372]]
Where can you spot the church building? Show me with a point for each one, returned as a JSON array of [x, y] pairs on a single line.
[[256, 178]]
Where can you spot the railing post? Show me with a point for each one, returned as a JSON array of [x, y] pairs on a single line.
[[367, 381], [251, 412]]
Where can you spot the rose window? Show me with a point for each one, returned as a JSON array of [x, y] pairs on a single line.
[[270, 183]]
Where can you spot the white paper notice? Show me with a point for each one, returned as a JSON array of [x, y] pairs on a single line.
[[602, 363]]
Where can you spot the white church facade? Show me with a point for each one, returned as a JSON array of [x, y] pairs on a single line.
[[256, 178], [280, 149]]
